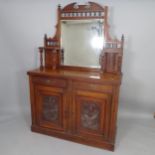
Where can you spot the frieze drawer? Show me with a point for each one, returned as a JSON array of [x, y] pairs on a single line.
[[50, 81], [93, 87]]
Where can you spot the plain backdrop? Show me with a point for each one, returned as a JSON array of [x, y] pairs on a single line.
[[23, 24]]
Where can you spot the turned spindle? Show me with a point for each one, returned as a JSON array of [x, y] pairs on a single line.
[[41, 57]]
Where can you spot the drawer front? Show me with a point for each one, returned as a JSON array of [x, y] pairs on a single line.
[[93, 87], [50, 81]]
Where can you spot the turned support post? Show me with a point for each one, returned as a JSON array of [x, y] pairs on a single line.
[[41, 49]]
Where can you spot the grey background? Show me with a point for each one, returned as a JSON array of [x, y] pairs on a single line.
[[22, 27], [23, 24]]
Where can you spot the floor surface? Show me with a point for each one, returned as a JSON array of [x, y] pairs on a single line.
[[134, 137]]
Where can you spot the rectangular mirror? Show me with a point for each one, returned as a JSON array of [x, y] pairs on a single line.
[[82, 42]]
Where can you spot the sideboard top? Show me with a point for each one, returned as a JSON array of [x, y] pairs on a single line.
[[78, 75]]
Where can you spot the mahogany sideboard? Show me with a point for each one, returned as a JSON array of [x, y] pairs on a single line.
[[79, 104]]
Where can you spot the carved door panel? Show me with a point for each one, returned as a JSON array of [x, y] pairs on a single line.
[[51, 107], [92, 114]]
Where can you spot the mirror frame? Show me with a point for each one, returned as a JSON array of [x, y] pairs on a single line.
[[110, 58]]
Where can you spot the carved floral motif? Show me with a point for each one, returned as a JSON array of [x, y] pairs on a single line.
[[50, 108], [90, 114]]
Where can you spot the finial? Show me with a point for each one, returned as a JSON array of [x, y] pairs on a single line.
[[122, 37], [59, 6], [45, 36]]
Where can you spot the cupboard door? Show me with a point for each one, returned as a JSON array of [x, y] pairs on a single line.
[[51, 107], [92, 114]]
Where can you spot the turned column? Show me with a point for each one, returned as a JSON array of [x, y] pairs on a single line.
[[41, 49]]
